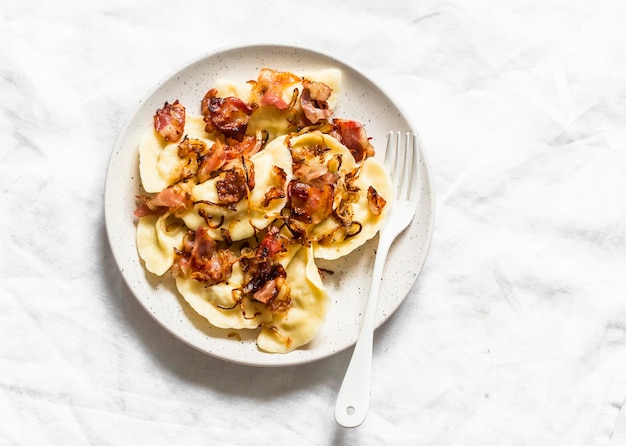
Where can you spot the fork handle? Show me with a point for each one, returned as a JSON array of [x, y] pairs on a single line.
[[353, 398]]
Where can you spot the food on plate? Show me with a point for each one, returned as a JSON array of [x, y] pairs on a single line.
[[244, 194]]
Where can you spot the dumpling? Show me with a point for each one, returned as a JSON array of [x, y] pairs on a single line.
[[372, 173], [218, 305], [272, 171], [159, 163], [241, 222], [227, 87], [350, 222], [310, 141], [280, 88], [157, 237], [309, 304]]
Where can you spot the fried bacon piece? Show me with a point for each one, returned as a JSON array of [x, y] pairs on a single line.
[[201, 160], [228, 115], [352, 135], [169, 121], [209, 163], [201, 259], [307, 171], [231, 186], [311, 202], [272, 244], [248, 146], [269, 87], [310, 194], [268, 291], [263, 276], [314, 101], [375, 202], [173, 199]]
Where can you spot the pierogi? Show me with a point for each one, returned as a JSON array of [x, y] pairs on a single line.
[[243, 195]]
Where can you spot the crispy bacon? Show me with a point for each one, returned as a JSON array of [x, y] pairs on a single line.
[[248, 146], [311, 202], [200, 160], [232, 186], [310, 194], [209, 160], [228, 115], [257, 271], [270, 85], [375, 201], [142, 209], [172, 199], [352, 135], [201, 259], [263, 279], [209, 163], [314, 99], [272, 243], [169, 121], [267, 292], [263, 276]]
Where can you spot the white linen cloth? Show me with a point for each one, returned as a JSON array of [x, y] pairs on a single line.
[[515, 332]]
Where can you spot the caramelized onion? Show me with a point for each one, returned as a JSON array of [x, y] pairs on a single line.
[[375, 201]]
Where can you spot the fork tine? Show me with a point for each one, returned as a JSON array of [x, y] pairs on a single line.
[[411, 164], [414, 166], [402, 162], [417, 144], [399, 166], [407, 167], [390, 154]]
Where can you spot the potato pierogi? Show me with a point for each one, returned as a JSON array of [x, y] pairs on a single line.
[[242, 196]]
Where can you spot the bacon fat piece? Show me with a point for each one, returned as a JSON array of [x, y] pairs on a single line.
[[169, 121]]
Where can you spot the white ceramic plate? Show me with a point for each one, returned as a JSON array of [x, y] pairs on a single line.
[[360, 100]]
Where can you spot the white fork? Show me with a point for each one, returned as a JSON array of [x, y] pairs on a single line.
[[402, 161]]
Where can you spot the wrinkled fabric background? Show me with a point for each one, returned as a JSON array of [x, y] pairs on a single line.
[[515, 332]]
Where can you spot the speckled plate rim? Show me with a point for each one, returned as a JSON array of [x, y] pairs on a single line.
[[361, 99]]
